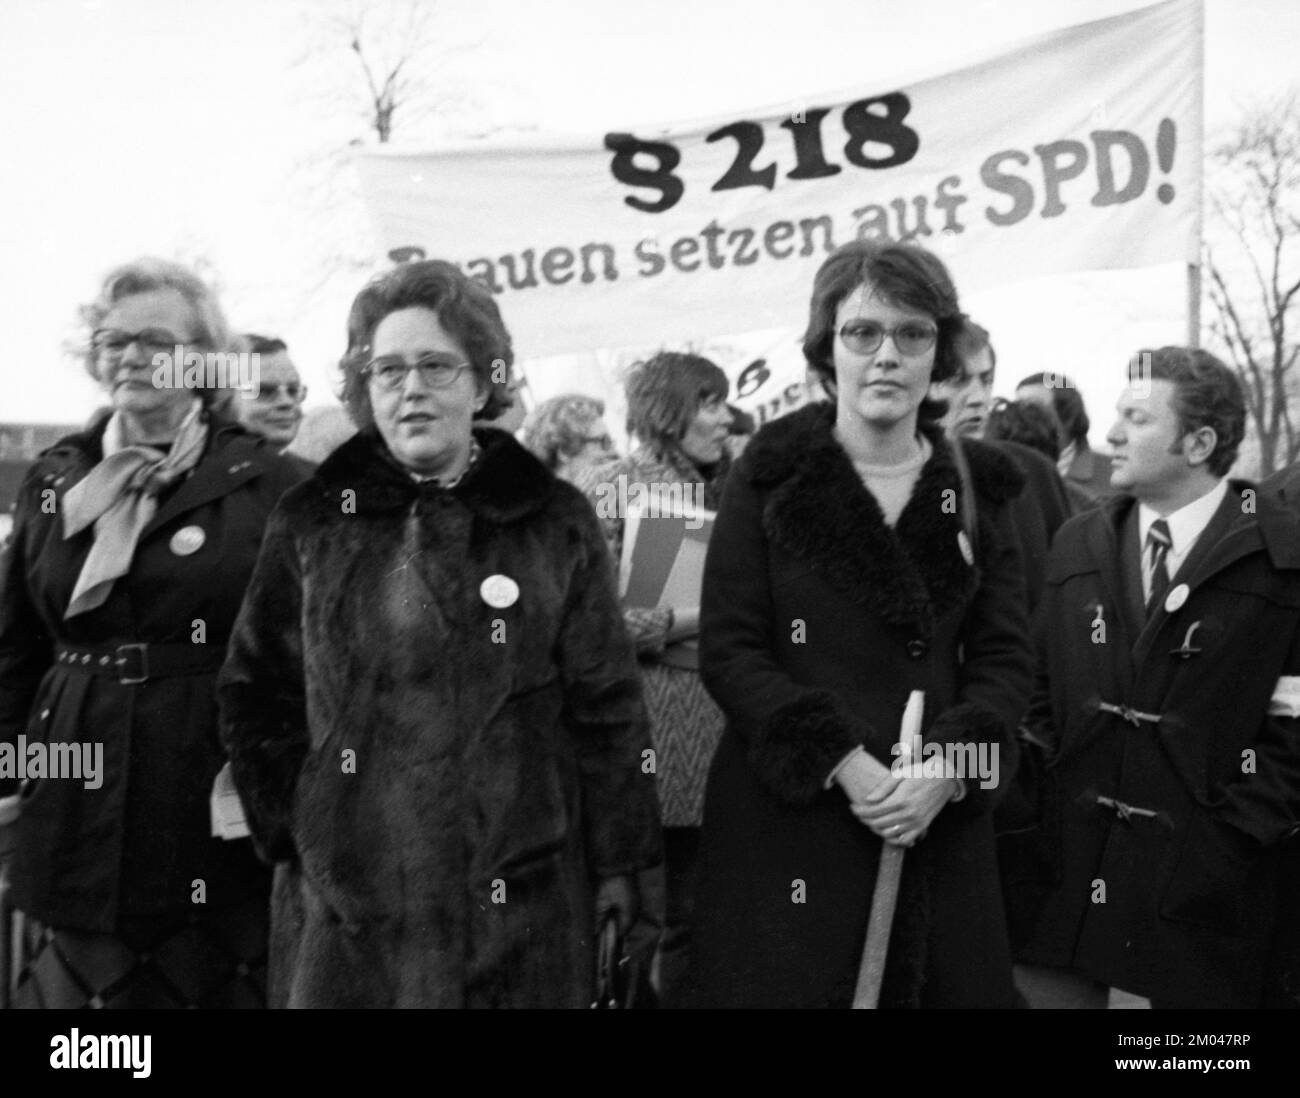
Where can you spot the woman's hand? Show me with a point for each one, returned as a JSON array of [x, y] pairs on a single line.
[[620, 895], [901, 814], [686, 624]]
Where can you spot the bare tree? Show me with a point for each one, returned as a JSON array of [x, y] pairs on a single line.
[[1253, 267]]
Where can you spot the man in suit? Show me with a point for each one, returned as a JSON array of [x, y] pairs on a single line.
[[1168, 695], [1086, 473]]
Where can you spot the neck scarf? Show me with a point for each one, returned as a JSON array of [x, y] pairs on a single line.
[[120, 496]]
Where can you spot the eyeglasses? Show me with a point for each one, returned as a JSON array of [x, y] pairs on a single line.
[[293, 390], [113, 342], [436, 371], [865, 337]]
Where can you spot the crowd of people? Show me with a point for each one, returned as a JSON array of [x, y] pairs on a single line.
[[464, 760]]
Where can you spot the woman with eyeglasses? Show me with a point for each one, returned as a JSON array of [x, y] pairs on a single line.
[[432, 710], [133, 543], [840, 578], [568, 434], [273, 407]]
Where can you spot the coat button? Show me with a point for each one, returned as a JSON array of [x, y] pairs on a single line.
[[917, 649]]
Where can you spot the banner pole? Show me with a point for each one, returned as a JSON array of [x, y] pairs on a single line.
[[1198, 123]]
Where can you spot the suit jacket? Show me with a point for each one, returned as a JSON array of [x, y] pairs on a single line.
[[1175, 765]]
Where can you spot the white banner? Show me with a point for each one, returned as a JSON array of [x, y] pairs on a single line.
[[1077, 150]]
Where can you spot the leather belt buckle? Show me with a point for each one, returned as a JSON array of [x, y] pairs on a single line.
[[129, 675]]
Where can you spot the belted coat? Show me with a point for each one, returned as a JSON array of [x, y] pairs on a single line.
[[1174, 767], [137, 844], [818, 621], [436, 727]]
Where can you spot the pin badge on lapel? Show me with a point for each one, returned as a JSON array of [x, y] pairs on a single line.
[[1176, 598], [967, 553], [499, 591], [187, 540]]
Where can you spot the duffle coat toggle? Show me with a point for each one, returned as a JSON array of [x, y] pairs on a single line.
[[1186, 650], [1135, 717], [1126, 812]]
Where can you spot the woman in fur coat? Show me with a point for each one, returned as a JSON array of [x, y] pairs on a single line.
[[433, 713], [839, 579]]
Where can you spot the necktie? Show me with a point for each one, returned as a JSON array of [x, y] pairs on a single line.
[[1159, 542]]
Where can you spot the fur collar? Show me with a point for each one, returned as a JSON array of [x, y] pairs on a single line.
[[818, 510], [507, 484]]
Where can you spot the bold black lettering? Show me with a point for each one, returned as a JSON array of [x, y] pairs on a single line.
[[864, 125], [749, 143], [625, 147], [876, 223], [810, 161]]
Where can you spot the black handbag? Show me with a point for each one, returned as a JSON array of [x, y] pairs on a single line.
[[622, 980]]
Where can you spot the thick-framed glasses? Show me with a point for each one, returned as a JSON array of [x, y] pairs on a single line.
[[296, 392], [113, 342], [864, 337], [436, 371]]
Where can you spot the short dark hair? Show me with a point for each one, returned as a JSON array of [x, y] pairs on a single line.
[[970, 339], [1067, 403], [1026, 423], [905, 275], [1206, 394], [465, 310], [664, 394], [264, 345]]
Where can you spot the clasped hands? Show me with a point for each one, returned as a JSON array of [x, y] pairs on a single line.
[[896, 807]]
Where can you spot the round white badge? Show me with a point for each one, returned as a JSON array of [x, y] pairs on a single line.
[[499, 591], [1175, 599], [187, 540], [967, 553]]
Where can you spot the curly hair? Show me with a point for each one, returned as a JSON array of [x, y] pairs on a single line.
[[146, 275], [557, 428], [1207, 393], [904, 275], [466, 312], [664, 394]]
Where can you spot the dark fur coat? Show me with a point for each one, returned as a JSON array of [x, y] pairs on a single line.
[[818, 621], [436, 725]]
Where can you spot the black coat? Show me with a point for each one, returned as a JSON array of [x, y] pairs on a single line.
[[137, 844], [818, 621], [1167, 888], [443, 772]]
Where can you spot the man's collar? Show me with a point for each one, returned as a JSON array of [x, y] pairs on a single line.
[[1185, 524]]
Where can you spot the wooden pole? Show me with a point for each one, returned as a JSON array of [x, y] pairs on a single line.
[[871, 972]]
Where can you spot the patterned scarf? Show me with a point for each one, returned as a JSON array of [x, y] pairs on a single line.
[[120, 496]]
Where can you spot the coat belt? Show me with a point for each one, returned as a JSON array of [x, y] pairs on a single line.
[[132, 664]]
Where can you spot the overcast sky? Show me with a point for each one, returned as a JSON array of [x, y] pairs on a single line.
[[151, 126]]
